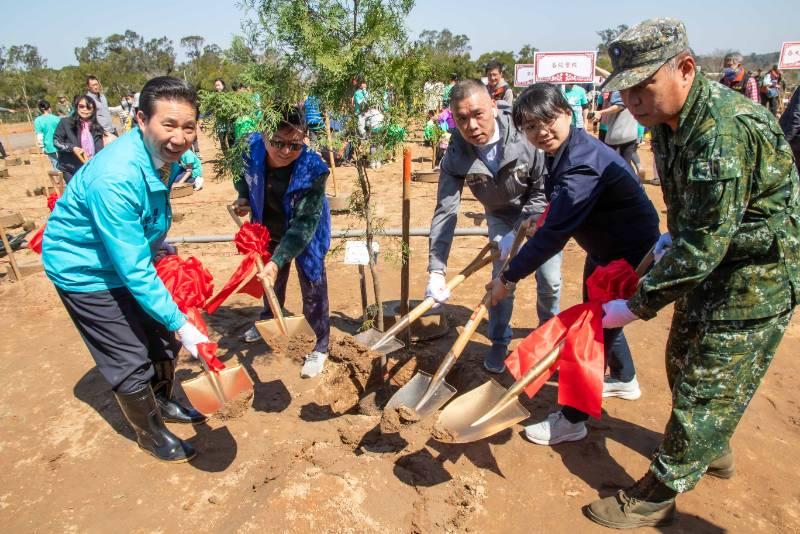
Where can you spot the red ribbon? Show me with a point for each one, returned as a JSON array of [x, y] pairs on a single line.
[[251, 240], [190, 285], [35, 242], [581, 365]]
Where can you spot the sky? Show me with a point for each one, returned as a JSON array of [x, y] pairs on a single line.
[[760, 27]]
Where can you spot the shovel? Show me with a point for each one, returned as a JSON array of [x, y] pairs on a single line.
[[490, 408], [426, 394], [280, 325], [386, 343], [212, 389]]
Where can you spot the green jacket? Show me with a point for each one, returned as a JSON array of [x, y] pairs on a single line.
[[731, 192]]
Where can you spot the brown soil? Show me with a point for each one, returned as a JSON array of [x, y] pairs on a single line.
[[315, 455], [235, 408]]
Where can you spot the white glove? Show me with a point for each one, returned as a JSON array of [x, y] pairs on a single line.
[[190, 336], [437, 287], [505, 243], [663, 244], [616, 314]]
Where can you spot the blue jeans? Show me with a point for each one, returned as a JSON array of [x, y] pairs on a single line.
[[548, 292]]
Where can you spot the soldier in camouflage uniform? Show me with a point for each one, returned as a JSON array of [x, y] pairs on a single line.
[[729, 261]]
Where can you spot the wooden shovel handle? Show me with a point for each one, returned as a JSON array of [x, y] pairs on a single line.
[[461, 342], [272, 298], [646, 262], [484, 258], [477, 316], [513, 392]]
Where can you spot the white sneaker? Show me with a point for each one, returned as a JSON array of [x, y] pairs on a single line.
[[251, 335], [314, 362], [555, 429], [624, 390]]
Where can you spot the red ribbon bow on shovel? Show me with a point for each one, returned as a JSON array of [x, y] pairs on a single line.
[[190, 285], [581, 365], [35, 242], [251, 240]]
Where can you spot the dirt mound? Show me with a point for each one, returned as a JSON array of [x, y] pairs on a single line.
[[235, 408]]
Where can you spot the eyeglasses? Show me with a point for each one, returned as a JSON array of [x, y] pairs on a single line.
[[84, 106], [535, 127], [293, 147]]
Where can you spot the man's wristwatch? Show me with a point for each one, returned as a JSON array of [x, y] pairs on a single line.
[[510, 286]]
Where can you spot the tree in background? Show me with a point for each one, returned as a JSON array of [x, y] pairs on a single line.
[[447, 54], [333, 43], [606, 36]]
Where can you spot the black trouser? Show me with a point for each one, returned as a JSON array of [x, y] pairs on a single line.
[[121, 337], [627, 150], [2, 151], [618, 357], [315, 302]]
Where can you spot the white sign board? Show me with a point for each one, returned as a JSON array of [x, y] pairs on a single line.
[[523, 74], [790, 55], [355, 252], [564, 67]]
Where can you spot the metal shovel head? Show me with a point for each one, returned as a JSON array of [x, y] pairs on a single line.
[[455, 423], [368, 338], [208, 394], [413, 392], [296, 326]]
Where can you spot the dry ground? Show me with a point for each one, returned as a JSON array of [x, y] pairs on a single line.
[[303, 458]]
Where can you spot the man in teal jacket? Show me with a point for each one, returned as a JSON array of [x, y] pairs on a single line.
[[98, 250]]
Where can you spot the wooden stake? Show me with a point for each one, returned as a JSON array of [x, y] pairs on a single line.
[[362, 280], [331, 151], [405, 273]]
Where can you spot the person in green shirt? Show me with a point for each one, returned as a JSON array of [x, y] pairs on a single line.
[[45, 127]]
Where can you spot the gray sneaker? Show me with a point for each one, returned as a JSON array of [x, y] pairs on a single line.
[[252, 335], [624, 390], [314, 362], [555, 429]]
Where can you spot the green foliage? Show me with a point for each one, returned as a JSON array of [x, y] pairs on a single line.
[[446, 54], [503, 56]]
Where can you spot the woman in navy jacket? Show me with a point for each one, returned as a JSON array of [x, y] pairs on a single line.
[[596, 200]]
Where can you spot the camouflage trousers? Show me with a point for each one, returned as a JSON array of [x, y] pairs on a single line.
[[714, 369]]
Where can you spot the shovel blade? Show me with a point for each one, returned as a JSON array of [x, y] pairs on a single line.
[[368, 338], [413, 392], [457, 420], [208, 397], [296, 326]]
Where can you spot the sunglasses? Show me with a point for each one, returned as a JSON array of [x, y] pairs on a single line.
[[84, 106], [293, 147]]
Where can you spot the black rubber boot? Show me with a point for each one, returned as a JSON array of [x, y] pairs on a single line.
[[142, 413], [646, 503], [171, 410]]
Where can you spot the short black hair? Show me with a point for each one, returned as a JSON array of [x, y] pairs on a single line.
[[465, 89], [43, 105], [166, 88], [220, 80], [493, 65], [540, 102], [294, 118], [91, 77]]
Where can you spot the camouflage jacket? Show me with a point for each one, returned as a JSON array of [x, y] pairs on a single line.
[[731, 192]]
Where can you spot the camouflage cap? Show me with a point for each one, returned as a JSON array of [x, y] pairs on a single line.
[[638, 52]]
